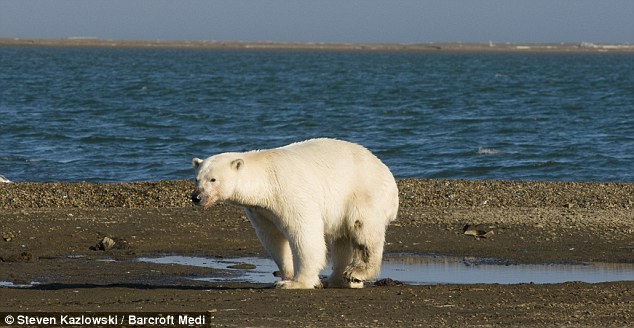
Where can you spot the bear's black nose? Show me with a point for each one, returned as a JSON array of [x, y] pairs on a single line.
[[196, 198]]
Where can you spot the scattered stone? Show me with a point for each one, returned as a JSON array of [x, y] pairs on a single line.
[[21, 257], [105, 244], [388, 282], [8, 236], [108, 243], [21, 282], [242, 266], [470, 230]]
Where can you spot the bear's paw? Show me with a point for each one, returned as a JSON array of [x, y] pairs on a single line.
[[293, 284], [356, 274], [332, 282]]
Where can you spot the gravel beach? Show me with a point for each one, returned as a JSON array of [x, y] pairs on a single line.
[[52, 232]]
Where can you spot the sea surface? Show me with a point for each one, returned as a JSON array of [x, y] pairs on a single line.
[[126, 114]]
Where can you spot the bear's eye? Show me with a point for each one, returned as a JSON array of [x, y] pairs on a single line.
[[212, 179]]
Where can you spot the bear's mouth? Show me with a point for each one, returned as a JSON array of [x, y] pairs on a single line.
[[205, 202], [201, 198], [209, 202]]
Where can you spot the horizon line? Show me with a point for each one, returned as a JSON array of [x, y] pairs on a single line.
[[91, 41]]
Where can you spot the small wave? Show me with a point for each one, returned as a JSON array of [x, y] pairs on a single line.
[[487, 151], [18, 159], [4, 180]]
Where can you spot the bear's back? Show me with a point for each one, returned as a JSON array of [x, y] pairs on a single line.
[[334, 155], [332, 164]]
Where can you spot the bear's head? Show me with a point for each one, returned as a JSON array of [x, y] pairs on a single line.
[[216, 178]]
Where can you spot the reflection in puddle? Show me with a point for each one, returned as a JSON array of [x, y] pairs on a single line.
[[424, 270], [447, 270]]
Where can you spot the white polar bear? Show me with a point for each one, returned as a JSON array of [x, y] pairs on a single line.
[[301, 196]]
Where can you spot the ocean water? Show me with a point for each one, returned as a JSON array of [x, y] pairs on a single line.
[[124, 114]]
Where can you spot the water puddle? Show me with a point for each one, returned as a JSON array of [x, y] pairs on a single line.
[[242, 269], [422, 270], [11, 284]]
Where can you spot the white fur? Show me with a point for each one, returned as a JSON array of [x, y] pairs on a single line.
[[302, 196]]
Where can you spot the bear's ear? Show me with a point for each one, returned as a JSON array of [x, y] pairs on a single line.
[[237, 163], [196, 162]]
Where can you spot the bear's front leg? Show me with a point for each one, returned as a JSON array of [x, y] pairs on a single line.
[[367, 251], [272, 239], [341, 256], [308, 246]]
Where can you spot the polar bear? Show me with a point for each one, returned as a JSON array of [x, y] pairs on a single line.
[[304, 195]]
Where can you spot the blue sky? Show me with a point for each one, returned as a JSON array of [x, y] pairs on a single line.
[[395, 21]]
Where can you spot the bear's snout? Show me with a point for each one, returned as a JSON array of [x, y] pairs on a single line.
[[196, 197]]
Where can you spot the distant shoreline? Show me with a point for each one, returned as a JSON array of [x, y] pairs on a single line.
[[583, 47]]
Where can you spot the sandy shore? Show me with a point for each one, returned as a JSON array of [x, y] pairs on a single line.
[[237, 45], [50, 231]]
